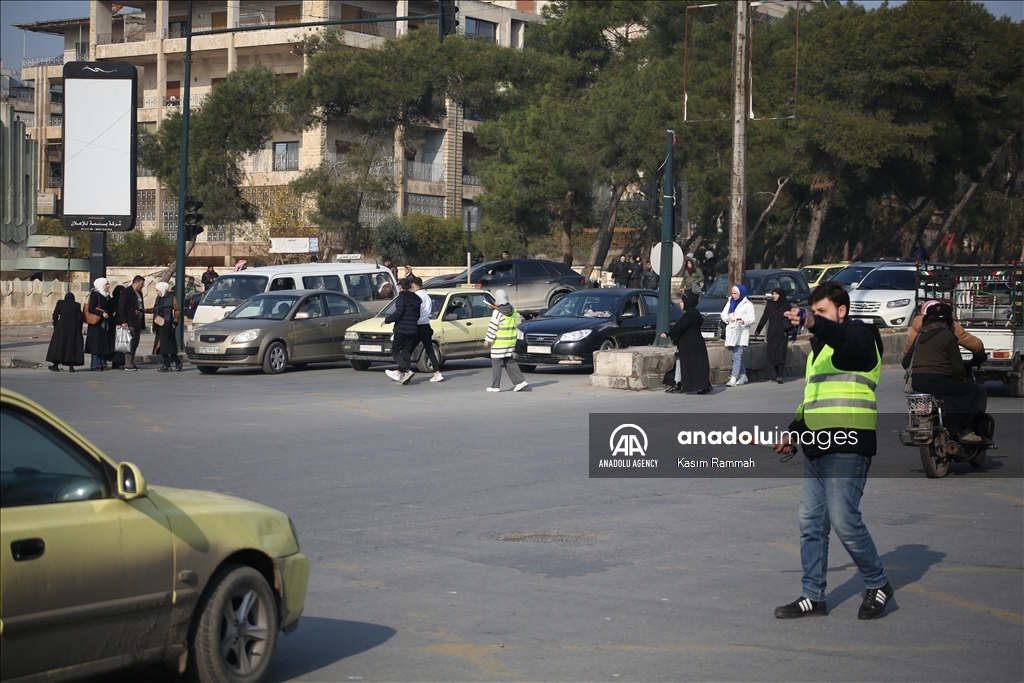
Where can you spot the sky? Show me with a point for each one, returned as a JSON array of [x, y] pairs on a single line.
[[15, 45]]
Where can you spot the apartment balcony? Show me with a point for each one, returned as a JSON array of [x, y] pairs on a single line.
[[131, 35], [431, 173], [57, 120], [468, 179], [53, 181], [381, 167], [32, 62]]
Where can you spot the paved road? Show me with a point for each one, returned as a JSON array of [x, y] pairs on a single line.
[[402, 496]]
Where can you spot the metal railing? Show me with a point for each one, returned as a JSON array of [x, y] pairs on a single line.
[[197, 99], [147, 102], [259, 162], [135, 35], [143, 172], [383, 167], [468, 179], [30, 62], [56, 120], [416, 170], [53, 181], [289, 161]]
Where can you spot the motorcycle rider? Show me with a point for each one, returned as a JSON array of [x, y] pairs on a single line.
[[938, 369], [963, 337]]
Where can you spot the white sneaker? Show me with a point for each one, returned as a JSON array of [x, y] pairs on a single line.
[[522, 385], [742, 380], [493, 390], [437, 377], [731, 382], [406, 378], [393, 374]]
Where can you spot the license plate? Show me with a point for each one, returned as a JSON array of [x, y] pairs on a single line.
[[209, 350], [371, 348], [539, 350], [967, 356], [708, 335]]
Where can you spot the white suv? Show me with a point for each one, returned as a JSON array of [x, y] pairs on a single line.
[[886, 296]]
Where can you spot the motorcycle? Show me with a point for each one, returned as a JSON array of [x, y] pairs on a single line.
[[937, 444]]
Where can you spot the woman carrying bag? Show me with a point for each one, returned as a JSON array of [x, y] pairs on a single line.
[[738, 316], [166, 315], [778, 331], [692, 371], [99, 340]]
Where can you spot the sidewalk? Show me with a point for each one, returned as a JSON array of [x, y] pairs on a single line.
[[24, 346]]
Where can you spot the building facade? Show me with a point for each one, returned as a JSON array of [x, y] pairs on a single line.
[[434, 178]]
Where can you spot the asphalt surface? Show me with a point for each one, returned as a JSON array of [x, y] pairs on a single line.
[[455, 535]]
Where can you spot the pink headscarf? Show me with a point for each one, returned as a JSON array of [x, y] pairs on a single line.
[[240, 265]]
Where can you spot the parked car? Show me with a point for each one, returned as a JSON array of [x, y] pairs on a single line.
[[101, 571], [852, 275], [275, 330], [532, 285], [459, 318], [820, 273], [760, 284], [587, 321], [886, 296]]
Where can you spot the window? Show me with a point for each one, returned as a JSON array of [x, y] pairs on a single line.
[[176, 29], [359, 287], [287, 14], [214, 82], [169, 215], [533, 270], [788, 284], [145, 206], [39, 466], [218, 20], [502, 271], [339, 305], [650, 304], [313, 306], [481, 304], [484, 29], [286, 156], [173, 93], [280, 283], [329, 282], [460, 308], [424, 203], [771, 284]]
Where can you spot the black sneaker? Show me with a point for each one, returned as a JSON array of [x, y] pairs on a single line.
[[801, 607], [874, 602]]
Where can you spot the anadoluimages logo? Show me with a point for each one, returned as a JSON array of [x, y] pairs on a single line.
[[631, 442]]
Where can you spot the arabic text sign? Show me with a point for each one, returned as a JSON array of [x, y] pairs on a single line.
[[294, 245]]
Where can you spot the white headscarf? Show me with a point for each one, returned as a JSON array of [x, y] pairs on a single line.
[[162, 287], [100, 285]]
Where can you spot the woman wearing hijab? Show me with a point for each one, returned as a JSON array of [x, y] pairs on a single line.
[[99, 340], [692, 371], [66, 343], [165, 321], [116, 359], [739, 316], [778, 331], [693, 279]]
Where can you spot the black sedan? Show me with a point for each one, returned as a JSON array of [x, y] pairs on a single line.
[[587, 321]]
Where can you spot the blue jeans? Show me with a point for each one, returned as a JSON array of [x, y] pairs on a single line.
[[833, 485], [98, 361], [738, 368]]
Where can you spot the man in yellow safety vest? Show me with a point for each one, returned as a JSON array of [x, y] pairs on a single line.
[[836, 423]]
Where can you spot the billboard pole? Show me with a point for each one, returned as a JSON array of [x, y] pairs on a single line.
[[666, 267], [179, 273]]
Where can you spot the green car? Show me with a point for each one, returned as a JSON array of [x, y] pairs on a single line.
[[459, 318], [100, 571]]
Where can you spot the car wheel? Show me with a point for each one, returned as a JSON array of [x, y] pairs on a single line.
[[528, 368], [555, 298], [424, 365], [360, 365], [237, 628], [275, 359], [608, 345], [208, 369]]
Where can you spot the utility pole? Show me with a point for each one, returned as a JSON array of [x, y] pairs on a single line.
[[179, 273], [738, 200], [667, 219]]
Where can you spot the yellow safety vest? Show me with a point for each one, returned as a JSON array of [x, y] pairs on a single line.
[[839, 399], [506, 334]]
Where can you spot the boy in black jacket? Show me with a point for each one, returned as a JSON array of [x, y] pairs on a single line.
[[406, 331]]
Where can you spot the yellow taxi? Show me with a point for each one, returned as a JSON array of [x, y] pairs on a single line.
[[100, 571], [459, 318], [821, 273]]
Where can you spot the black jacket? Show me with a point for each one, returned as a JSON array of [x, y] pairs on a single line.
[[854, 346], [694, 368], [129, 311], [778, 328], [620, 272], [649, 279], [406, 313], [936, 352]]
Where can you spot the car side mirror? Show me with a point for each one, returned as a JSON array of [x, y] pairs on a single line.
[[130, 482], [541, 312], [302, 315], [485, 280], [628, 314], [450, 317]]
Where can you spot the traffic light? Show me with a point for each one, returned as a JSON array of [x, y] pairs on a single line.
[[649, 198], [193, 219], [447, 23], [681, 217]]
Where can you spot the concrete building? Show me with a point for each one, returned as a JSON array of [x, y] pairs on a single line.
[[434, 179]]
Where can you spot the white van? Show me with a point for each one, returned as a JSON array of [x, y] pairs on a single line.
[[370, 284]]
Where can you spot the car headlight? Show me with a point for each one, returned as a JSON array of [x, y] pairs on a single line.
[[575, 336], [898, 303], [192, 336], [247, 336], [519, 334], [351, 336]]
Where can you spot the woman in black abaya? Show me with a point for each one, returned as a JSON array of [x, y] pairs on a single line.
[[66, 346], [778, 331], [692, 371]]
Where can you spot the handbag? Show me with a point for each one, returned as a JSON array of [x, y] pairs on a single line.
[[123, 340], [908, 374], [91, 317]]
